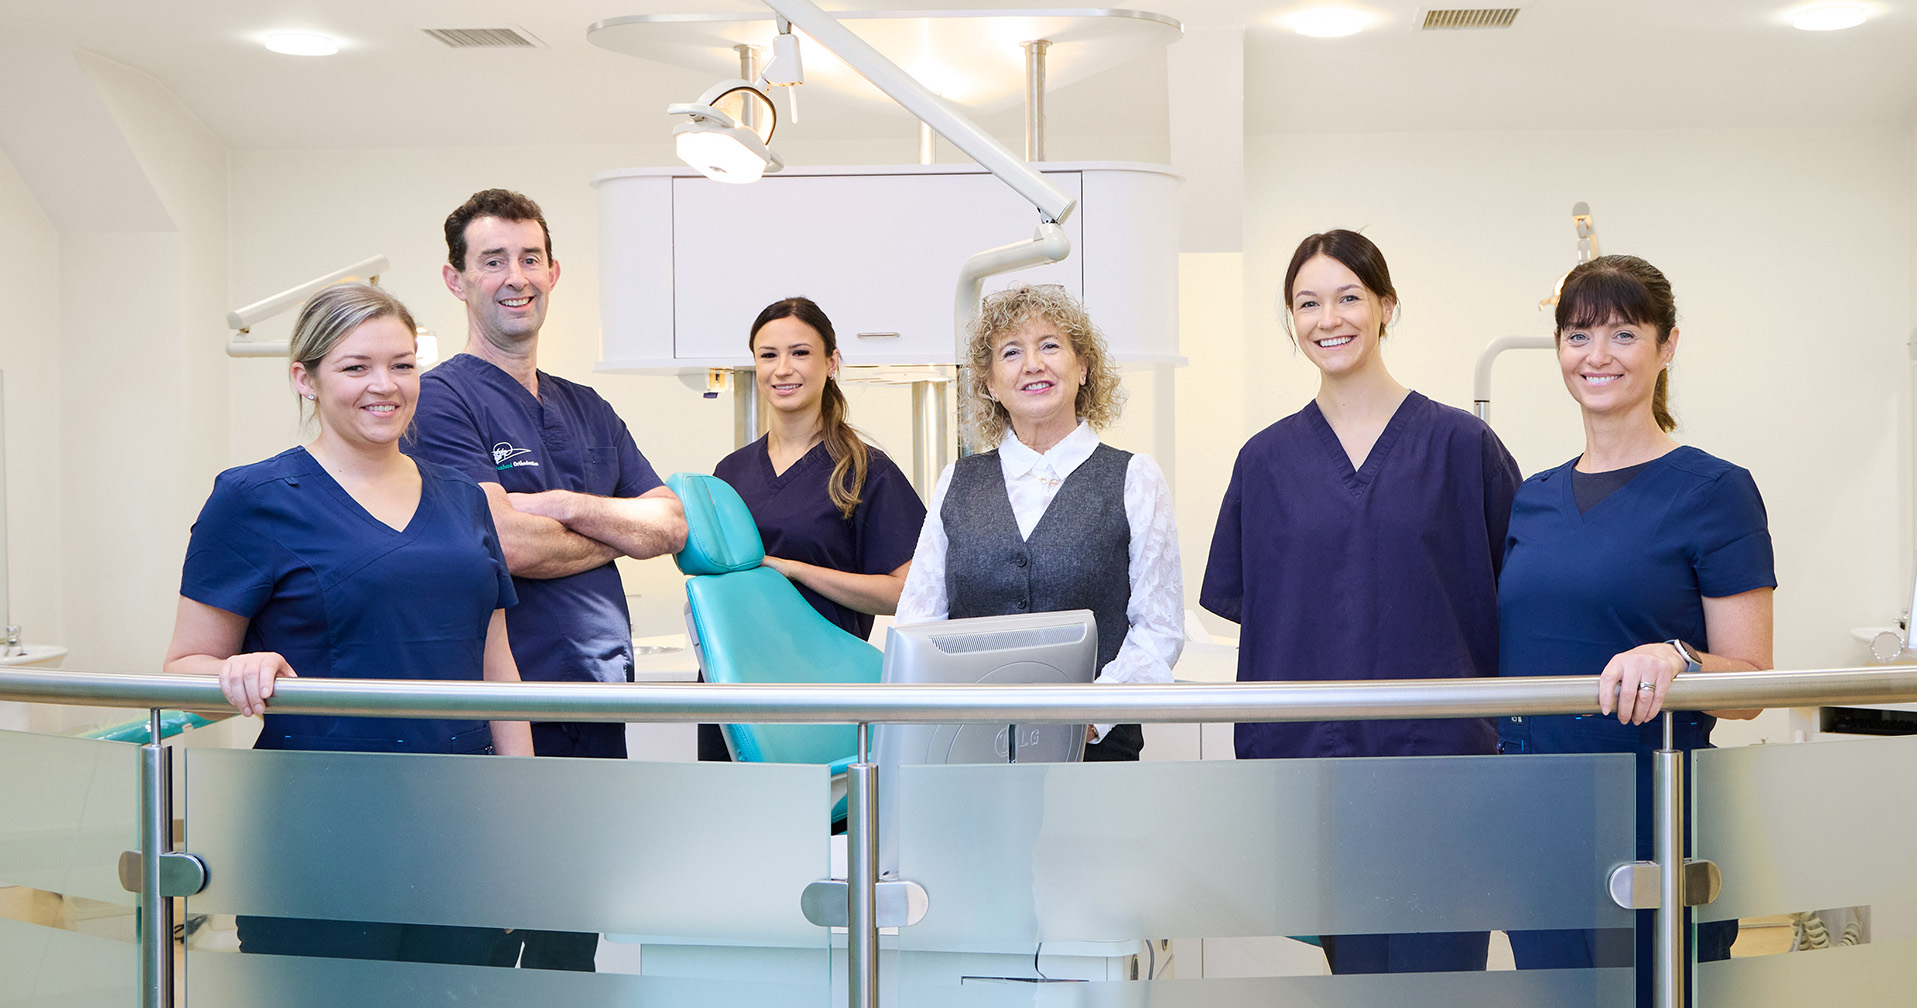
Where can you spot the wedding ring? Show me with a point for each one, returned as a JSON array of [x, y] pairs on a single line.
[[1647, 686]]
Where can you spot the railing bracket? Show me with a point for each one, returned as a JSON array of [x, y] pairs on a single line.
[[181, 874], [900, 903], [1634, 886]]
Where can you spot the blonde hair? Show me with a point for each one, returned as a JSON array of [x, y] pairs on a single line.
[[1006, 311], [333, 314]]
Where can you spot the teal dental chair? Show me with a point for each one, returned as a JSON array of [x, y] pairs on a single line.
[[748, 624]]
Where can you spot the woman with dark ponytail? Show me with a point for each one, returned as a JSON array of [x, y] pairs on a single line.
[[838, 517], [1638, 561]]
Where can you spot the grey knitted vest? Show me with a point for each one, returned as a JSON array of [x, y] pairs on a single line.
[[1078, 557]]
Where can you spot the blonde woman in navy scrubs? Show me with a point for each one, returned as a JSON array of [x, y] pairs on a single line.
[[838, 517], [310, 563], [1638, 561]]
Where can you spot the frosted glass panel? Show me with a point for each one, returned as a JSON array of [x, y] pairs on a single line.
[[68, 807], [719, 850], [1858, 976], [44, 967], [233, 980], [1805, 826], [1528, 989], [1011, 855]]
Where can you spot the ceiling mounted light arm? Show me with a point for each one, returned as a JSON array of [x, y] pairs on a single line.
[[1052, 203], [1587, 232], [787, 70], [242, 320]]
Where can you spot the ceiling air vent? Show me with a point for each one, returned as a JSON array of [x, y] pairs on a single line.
[[483, 38], [1462, 17]]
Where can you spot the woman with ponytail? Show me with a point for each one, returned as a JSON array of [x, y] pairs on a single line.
[[1638, 561], [838, 517]]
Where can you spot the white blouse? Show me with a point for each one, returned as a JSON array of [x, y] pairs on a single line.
[[1156, 609]]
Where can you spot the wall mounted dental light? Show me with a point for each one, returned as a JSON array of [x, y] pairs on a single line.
[[242, 320], [727, 132]]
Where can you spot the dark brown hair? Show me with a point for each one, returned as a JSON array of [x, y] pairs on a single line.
[[1358, 255], [1622, 288], [850, 460], [501, 203]]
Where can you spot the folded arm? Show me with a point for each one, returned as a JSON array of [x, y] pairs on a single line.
[[649, 525], [877, 594]]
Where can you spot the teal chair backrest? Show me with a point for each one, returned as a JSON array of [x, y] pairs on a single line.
[[753, 626]]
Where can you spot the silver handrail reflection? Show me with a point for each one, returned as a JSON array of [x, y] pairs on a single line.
[[932, 704]]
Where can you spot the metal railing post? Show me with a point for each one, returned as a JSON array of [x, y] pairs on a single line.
[[862, 879], [1668, 831], [156, 838]]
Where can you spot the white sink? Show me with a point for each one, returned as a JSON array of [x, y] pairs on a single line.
[[49, 655]]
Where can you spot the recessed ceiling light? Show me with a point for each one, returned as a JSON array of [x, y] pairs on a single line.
[[302, 44], [1828, 17], [1328, 22]]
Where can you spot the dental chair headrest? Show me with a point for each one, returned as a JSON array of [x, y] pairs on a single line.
[[721, 536]]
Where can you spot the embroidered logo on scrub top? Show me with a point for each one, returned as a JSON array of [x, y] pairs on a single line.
[[504, 450]]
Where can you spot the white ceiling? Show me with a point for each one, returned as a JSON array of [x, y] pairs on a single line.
[[1572, 64]]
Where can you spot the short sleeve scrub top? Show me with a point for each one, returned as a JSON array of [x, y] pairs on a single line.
[[798, 521], [340, 594]]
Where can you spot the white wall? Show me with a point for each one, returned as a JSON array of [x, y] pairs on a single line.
[[141, 410], [116, 397], [30, 357], [1790, 253]]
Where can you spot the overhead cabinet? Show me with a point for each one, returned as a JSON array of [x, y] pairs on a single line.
[[687, 263]]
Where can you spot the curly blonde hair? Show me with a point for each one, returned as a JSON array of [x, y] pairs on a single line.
[[1003, 313]]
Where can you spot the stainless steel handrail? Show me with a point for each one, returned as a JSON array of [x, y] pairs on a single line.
[[868, 704], [1178, 702]]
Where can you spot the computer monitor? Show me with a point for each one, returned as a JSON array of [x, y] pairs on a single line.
[[1049, 648]]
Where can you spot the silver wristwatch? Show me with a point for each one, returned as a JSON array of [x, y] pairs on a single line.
[[1692, 664]]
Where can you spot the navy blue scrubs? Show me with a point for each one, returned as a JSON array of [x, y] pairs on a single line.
[[336, 592], [479, 420], [1388, 571], [1579, 588], [798, 521]]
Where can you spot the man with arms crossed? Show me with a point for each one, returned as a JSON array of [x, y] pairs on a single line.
[[569, 490]]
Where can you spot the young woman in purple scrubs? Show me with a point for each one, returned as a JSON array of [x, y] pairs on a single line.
[[310, 563], [1360, 538], [1639, 560], [838, 517]]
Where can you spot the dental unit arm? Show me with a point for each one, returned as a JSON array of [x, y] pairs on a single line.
[[242, 320]]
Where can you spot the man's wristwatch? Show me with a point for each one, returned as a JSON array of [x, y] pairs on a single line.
[[1692, 664]]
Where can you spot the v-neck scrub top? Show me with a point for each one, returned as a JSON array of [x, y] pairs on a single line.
[[798, 521], [1388, 571], [1635, 569], [340, 594], [479, 420]]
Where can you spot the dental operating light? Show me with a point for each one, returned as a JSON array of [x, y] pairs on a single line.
[[726, 133]]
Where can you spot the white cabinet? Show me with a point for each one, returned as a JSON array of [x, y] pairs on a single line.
[[688, 263]]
